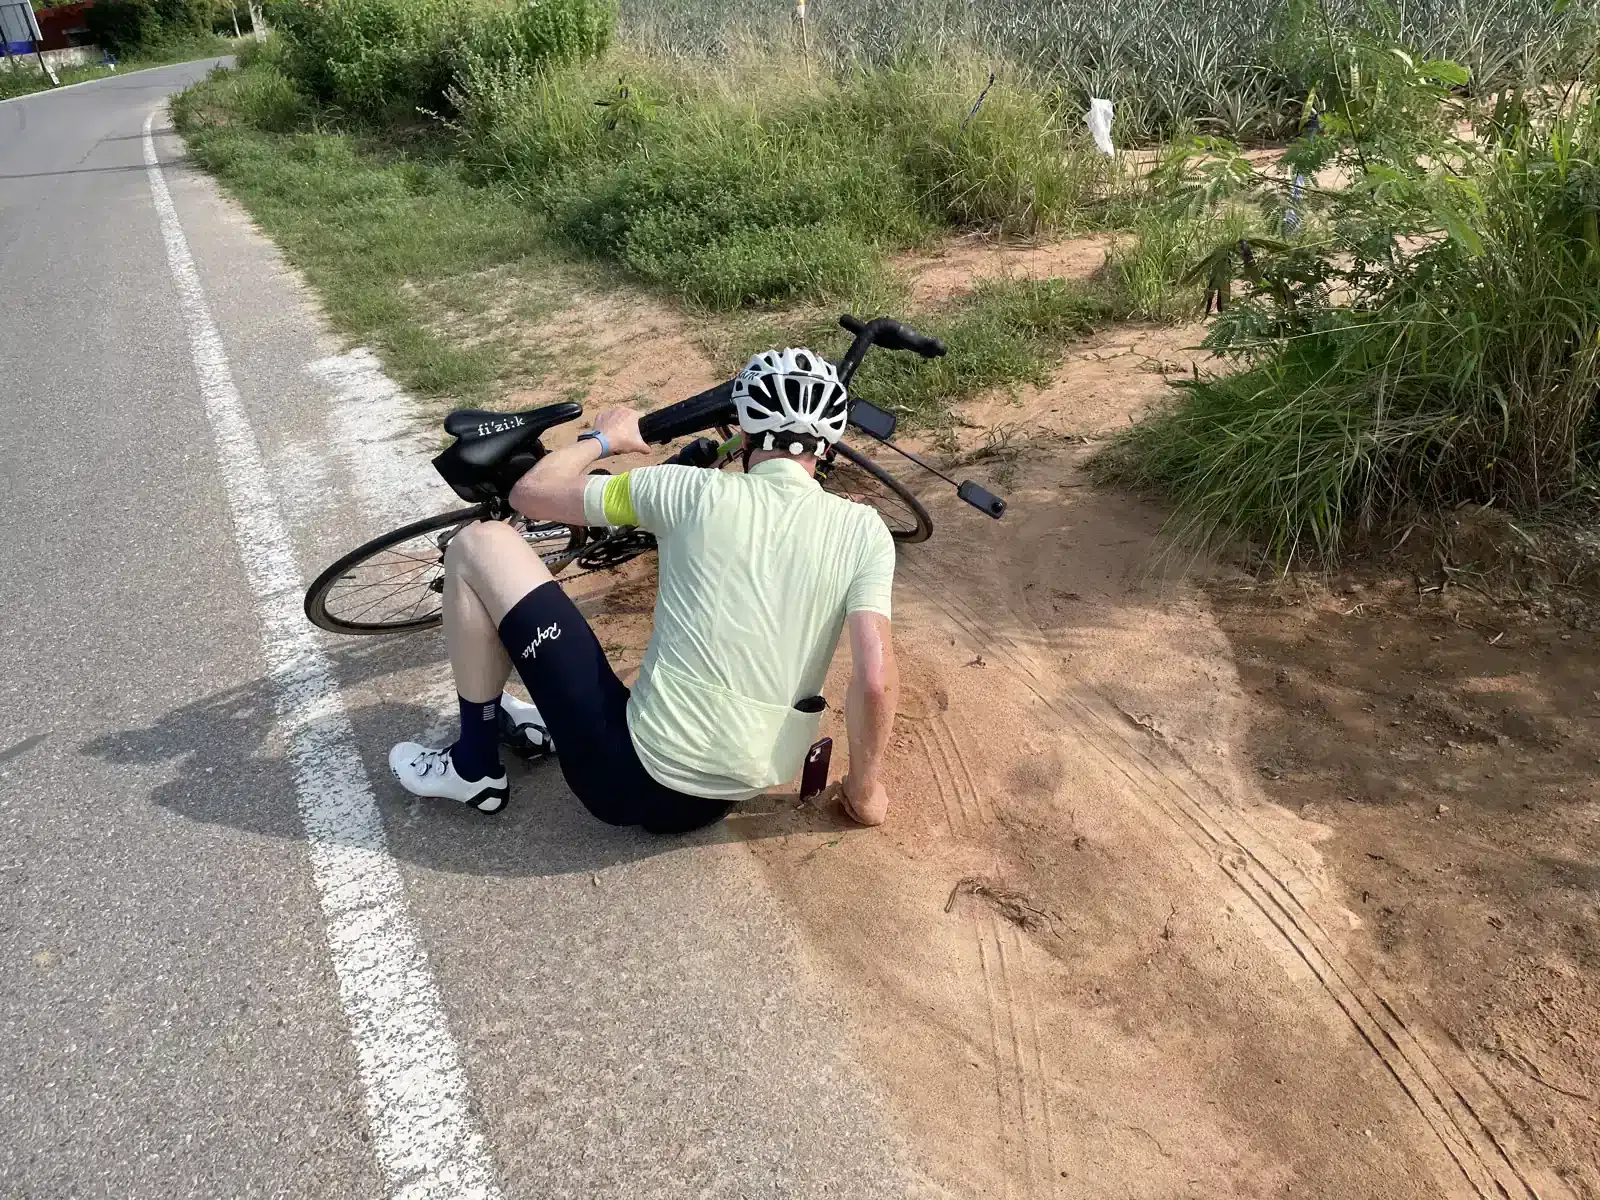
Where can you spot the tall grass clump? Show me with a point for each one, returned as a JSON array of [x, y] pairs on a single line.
[[1431, 337], [1186, 206], [258, 97], [384, 60], [758, 182], [980, 152]]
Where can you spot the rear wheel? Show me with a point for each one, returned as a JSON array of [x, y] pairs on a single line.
[[395, 583], [854, 476]]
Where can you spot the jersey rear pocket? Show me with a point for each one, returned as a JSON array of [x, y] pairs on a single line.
[[713, 731]]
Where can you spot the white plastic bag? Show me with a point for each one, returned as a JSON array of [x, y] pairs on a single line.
[[1098, 119]]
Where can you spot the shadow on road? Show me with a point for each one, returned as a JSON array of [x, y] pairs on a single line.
[[232, 769], [89, 170]]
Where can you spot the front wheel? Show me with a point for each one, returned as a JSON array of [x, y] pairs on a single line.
[[854, 476], [395, 583]]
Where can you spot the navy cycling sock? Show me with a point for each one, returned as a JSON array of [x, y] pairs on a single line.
[[477, 751]]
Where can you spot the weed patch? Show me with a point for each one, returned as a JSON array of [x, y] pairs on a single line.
[[1432, 339], [384, 60]]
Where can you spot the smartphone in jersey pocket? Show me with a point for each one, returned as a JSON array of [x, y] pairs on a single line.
[[814, 777]]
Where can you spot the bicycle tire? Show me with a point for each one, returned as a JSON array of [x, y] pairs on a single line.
[[907, 520], [426, 609]]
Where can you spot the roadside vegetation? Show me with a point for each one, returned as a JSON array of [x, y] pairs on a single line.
[[1418, 329], [1409, 294], [164, 30]]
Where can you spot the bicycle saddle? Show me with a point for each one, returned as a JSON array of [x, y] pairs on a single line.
[[480, 465], [479, 422]]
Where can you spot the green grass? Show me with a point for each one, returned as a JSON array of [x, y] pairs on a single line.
[[1005, 334], [391, 234], [23, 80]]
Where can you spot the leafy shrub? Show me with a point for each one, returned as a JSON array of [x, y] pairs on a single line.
[[1434, 339], [530, 127], [535, 33], [122, 27], [990, 154], [373, 58], [734, 211], [184, 19], [251, 51]]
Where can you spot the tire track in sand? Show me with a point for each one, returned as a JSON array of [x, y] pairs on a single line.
[[1456, 1103], [957, 818], [1023, 1124]]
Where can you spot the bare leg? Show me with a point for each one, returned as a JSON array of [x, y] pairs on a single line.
[[488, 568]]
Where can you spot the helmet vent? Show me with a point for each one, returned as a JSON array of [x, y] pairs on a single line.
[[795, 393]]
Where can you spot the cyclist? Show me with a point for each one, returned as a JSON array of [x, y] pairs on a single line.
[[760, 573]]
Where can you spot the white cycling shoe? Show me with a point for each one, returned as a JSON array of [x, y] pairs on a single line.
[[425, 772]]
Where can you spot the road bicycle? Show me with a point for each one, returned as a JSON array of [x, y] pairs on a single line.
[[395, 583]]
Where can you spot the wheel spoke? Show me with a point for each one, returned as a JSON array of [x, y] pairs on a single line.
[[387, 579], [407, 557], [417, 607], [386, 596], [356, 617], [848, 480]]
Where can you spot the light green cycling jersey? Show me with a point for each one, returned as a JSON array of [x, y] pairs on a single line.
[[758, 572]]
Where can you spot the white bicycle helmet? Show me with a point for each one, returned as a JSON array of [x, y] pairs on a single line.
[[791, 392]]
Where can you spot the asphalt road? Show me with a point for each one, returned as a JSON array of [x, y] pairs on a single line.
[[181, 979]]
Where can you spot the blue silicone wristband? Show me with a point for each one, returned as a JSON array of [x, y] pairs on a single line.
[[605, 446]]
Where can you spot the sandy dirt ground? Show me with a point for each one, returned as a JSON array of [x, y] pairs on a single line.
[[1194, 886]]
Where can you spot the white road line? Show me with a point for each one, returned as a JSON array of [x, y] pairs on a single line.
[[424, 1135]]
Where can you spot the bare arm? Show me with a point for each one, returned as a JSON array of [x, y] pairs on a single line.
[[553, 490], [869, 715]]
